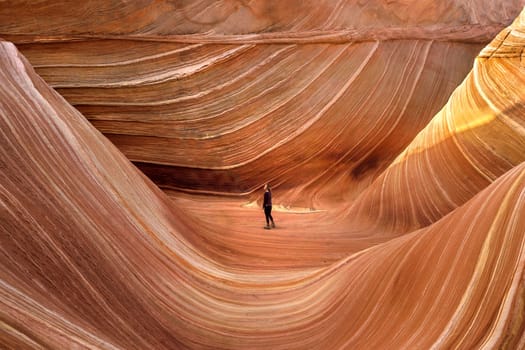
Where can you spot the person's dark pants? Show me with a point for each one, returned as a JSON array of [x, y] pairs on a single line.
[[268, 214]]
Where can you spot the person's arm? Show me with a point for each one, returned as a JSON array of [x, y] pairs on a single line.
[[265, 199]]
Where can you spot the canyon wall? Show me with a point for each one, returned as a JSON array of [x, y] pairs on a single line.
[[222, 96], [412, 149]]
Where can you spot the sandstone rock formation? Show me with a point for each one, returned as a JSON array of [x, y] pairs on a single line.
[[421, 243], [477, 137], [205, 96]]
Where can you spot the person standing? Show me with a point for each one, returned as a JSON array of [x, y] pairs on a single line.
[[267, 206]]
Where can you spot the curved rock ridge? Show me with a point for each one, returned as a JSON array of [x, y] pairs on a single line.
[[477, 136], [96, 256]]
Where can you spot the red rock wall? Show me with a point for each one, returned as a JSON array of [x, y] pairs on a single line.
[[221, 97], [95, 256], [421, 245], [475, 138]]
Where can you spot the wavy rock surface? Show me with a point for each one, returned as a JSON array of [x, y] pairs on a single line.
[[478, 136], [218, 121], [94, 256], [430, 254], [205, 96]]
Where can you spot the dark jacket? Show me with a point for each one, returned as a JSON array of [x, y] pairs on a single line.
[[267, 199]]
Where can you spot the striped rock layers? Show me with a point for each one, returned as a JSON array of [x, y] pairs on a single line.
[[429, 253], [219, 97], [95, 256], [477, 136]]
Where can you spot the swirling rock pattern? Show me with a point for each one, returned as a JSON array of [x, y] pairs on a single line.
[[207, 96], [426, 252], [483, 125]]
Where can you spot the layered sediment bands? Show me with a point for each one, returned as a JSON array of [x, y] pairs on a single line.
[[421, 240], [477, 136], [214, 118], [220, 97], [95, 256]]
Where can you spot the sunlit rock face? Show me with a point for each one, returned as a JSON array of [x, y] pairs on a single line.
[[222, 96], [475, 138], [421, 240]]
